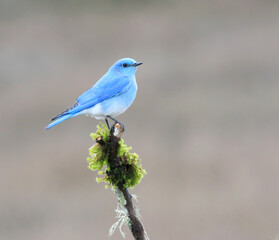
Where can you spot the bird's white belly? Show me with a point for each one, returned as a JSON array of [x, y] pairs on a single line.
[[95, 111], [111, 107]]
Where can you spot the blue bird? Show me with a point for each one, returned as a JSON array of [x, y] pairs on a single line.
[[112, 94]]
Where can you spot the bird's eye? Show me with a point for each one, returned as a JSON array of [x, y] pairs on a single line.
[[125, 65]]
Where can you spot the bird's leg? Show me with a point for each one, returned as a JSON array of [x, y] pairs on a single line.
[[112, 119], [115, 121], [107, 123]]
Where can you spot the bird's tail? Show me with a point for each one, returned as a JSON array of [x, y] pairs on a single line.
[[58, 120]]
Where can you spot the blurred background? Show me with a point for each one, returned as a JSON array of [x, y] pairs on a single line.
[[205, 120]]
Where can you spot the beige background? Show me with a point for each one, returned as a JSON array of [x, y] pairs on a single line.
[[205, 120]]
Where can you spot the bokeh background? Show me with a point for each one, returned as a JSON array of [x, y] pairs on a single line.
[[205, 120]]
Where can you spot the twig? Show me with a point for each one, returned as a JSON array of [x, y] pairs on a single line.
[[135, 224]]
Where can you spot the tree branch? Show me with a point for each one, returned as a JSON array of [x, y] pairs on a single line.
[[135, 224]]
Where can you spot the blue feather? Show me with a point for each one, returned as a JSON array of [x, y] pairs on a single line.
[[58, 120]]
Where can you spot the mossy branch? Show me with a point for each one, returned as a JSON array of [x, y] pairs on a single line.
[[121, 170]]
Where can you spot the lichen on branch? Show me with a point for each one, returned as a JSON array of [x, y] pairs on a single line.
[[124, 172]]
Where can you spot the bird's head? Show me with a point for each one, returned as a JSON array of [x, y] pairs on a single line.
[[125, 66]]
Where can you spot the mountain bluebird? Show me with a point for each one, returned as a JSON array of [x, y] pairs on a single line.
[[109, 97]]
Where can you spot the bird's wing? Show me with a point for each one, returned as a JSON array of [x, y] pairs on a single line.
[[107, 87]]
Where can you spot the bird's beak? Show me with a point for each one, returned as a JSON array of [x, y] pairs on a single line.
[[137, 64]]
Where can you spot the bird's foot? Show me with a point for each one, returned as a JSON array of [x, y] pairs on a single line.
[[121, 125]]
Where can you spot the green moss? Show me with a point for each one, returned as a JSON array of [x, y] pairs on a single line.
[[127, 174]]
